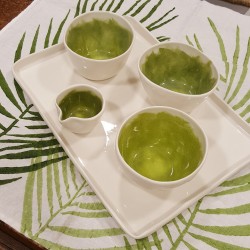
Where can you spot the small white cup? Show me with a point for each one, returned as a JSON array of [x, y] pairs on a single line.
[[98, 69], [159, 95], [76, 124]]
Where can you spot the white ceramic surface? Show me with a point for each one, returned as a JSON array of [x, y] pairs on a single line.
[[76, 124], [99, 69], [137, 210], [149, 183], [162, 96]]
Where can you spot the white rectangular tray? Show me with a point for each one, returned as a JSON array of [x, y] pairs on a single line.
[[139, 211]]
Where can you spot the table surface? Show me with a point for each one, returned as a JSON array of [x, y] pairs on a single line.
[[10, 9], [10, 238]]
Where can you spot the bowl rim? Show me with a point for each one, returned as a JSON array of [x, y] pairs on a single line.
[[79, 87], [96, 13], [179, 44], [147, 180]]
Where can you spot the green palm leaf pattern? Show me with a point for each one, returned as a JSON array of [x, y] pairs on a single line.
[[196, 42], [55, 193], [216, 243], [233, 84], [70, 205], [6, 181], [36, 139], [157, 24]]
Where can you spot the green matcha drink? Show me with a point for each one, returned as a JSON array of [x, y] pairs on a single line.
[[99, 39], [81, 104], [160, 146], [175, 70]]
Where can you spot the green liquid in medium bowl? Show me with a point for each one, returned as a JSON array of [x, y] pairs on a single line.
[[175, 70], [81, 104], [99, 39], [160, 146]]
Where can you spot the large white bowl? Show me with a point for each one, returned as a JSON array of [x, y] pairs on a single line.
[[162, 96], [98, 69], [150, 183]]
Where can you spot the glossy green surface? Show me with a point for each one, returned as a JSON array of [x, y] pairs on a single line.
[[175, 70], [160, 146], [99, 39], [82, 104]]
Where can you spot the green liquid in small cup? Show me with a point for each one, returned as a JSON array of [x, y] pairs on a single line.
[[175, 70], [160, 146], [99, 39], [81, 104]]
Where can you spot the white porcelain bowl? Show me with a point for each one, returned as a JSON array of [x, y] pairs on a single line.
[[159, 95], [75, 124], [94, 69], [142, 152]]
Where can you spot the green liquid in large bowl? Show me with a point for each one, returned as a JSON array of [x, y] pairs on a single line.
[[160, 146], [175, 70], [99, 39], [81, 104]]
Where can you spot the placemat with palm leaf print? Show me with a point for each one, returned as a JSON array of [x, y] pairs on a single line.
[[42, 194]]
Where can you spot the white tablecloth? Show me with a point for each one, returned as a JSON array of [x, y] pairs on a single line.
[[54, 205]]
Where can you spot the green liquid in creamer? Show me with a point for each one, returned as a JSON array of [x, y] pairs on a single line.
[[81, 104], [175, 70], [160, 146], [99, 39]]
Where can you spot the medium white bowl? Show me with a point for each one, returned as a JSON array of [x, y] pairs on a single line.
[[94, 69], [146, 181], [76, 124], [159, 95]]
